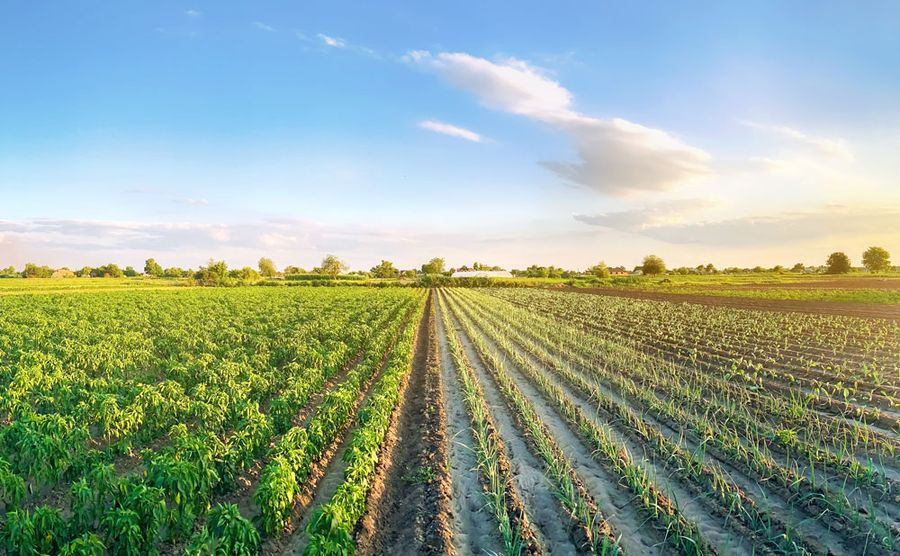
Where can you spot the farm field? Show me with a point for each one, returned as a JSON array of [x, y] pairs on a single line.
[[444, 421]]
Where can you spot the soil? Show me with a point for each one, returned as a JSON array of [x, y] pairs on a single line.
[[409, 499], [838, 308]]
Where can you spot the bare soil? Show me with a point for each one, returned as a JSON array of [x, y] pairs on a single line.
[[839, 308], [409, 500]]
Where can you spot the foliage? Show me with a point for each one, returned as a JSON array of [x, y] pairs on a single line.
[[267, 268], [876, 259], [32, 270], [153, 268], [110, 270], [838, 263], [385, 269], [653, 265], [331, 266], [434, 266], [600, 270]]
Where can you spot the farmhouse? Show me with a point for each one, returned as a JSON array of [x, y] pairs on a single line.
[[481, 274], [618, 271]]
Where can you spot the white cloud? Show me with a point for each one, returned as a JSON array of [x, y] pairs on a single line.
[[659, 214], [835, 149], [834, 224], [263, 27], [333, 42], [615, 156], [193, 13], [451, 130], [194, 202]]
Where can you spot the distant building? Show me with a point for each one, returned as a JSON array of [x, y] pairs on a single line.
[[481, 274], [618, 271]]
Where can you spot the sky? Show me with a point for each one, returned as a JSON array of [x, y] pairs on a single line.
[[508, 133]]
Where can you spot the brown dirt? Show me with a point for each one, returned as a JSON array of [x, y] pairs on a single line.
[[407, 512], [839, 308], [834, 284]]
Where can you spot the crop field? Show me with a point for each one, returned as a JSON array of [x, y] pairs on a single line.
[[390, 420]]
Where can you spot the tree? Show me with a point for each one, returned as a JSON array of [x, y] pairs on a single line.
[[152, 268], [434, 266], [799, 267], [130, 272], [175, 272], [409, 273], [110, 270], [267, 268], [385, 269], [291, 269], [9, 272], [213, 274], [34, 271], [838, 263], [653, 265], [332, 266], [600, 270], [877, 259]]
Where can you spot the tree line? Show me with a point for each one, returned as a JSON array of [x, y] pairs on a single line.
[[874, 259]]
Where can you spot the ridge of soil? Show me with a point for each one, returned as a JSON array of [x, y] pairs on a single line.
[[816, 307]]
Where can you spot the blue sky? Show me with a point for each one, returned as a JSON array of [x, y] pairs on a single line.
[[509, 133]]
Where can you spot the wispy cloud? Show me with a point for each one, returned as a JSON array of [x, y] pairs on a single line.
[[832, 148], [451, 130], [263, 27], [330, 41], [615, 156], [842, 224], [193, 202], [193, 13], [651, 216], [333, 42]]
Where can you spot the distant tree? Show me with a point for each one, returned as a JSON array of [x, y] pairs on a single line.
[[215, 273], [175, 272], [710, 268], [110, 270], [877, 259], [434, 266], [385, 269], [332, 266], [130, 272], [799, 267], [757, 269], [290, 269], [837, 263], [409, 273], [600, 270], [267, 268], [32, 270], [246, 274], [85, 272], [778, 268], [653, 265], [152, 268]]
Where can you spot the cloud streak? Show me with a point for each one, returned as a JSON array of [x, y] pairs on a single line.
[[835, 223], [615, 156], [263, 27], [451, 130], [834, 149]]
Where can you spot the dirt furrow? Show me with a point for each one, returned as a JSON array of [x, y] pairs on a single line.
[[408, 502]]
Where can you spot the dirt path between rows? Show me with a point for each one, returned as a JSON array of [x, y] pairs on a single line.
[[837, 308], [409, 501]]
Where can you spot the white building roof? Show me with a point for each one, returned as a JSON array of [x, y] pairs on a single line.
[[481, 274]]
